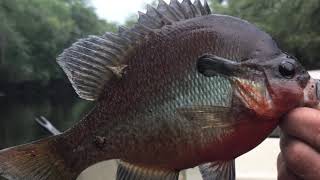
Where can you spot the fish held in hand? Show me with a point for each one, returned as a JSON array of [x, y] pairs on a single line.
[[182, 88]]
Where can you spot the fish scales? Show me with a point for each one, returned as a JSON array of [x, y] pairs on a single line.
[[122, 100], [156, 82]]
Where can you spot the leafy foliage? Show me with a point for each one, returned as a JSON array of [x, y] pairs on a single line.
[[294, 24], [34, 32]]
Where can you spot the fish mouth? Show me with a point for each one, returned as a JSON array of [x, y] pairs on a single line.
[[312, 94], [318, 88]]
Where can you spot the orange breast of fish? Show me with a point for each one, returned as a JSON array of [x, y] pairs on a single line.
[[254, 122], [241, 139]]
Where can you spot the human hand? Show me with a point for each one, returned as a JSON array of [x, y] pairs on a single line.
[[300, 145]]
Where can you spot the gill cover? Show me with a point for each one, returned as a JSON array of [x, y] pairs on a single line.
[[247, 78]]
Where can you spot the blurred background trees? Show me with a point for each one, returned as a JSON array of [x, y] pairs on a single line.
[[34, 32]]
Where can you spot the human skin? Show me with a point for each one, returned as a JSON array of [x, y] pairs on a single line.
[[300, 145]]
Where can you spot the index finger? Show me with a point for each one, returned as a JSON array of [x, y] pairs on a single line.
[[304, 124]]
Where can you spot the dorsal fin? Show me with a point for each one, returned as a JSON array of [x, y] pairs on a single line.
[[189, 8], [91, 62]]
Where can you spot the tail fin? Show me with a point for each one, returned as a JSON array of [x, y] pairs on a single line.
[[34, 161]]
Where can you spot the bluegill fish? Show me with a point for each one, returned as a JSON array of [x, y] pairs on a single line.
[[182, 88]]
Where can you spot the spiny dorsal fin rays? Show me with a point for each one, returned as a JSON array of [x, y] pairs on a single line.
[[206, 7], [188, 8], [147, 21], [142, 29], [122, 29], [91, 62], [200, 9], [168, 11], [164, 20], [126, 33], [177, 7], [165, 14]]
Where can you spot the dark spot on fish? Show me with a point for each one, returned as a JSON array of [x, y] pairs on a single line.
[[100, 142], [33, 154], [78, 149]]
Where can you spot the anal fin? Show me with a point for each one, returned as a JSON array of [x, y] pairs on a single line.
[[127, 171], [220, 170]]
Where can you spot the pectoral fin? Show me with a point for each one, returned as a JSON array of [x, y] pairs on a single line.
[[127, 171], [215, 116], [218, 171]]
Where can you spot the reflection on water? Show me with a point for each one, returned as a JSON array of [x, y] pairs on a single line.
[[18, 115]]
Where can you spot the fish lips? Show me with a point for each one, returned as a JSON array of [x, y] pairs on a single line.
[[312, 94], [318, 89]]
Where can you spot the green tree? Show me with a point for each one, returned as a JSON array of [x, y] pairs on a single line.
[[34, 32]]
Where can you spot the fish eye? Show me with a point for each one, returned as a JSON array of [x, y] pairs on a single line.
[[287, 69]]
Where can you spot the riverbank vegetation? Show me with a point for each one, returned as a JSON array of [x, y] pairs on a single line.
[[34, 32]]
